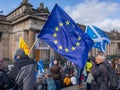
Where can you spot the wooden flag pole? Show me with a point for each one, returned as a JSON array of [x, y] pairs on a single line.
[[33, 46]]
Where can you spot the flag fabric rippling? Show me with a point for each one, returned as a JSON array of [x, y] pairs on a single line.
[[66, 37], [98, 36]]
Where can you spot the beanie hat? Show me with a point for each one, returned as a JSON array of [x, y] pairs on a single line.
[[20, 52]]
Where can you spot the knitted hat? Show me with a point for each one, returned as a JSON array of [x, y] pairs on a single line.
[[20, 52]]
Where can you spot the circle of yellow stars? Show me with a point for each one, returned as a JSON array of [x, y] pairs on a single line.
[[55, 35]]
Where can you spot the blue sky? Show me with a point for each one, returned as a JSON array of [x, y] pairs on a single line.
[[102, 13], [9, 5]]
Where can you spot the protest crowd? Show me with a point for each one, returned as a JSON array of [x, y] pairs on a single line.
[[27, 75], [97, 73]]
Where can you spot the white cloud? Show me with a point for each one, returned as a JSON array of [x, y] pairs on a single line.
[[102, 14]]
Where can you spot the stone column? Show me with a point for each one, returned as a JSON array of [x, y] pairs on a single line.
[[113, 48], [110, 49], [116, 48], [31, 42], [1, 46], [108, 52], [26, 36], [106, 49], [92, 52], [51, 53], [96, 51], [5, 45]]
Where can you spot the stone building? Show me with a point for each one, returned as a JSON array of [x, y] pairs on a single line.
[[24, 21], [27, 22], [113, 48]]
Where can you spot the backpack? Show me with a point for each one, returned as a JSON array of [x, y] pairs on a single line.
[[114, 83], [5, 81]]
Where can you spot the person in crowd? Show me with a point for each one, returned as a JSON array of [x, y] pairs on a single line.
[[23, 71], [75, 70], [50, 82], [79, 77], [10, 67], [85, 75], [73, 80], [89, 74], [67, 80], [39, 83], [67, 70], [72, 69], [5, 82], [56, 74], [100, 73], [116, 66]]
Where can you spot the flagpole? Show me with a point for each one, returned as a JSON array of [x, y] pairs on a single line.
[[33, 46]]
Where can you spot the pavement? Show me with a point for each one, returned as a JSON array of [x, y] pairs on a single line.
[[74, 88]]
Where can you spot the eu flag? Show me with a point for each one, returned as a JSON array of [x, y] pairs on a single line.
[[98, 36], [65, 37]]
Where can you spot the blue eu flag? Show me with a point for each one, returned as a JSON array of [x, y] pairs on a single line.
[[98, 36], [65, 37]]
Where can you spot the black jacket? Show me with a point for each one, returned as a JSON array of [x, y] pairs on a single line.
[[5, 82], [23, 73], [100, 75]]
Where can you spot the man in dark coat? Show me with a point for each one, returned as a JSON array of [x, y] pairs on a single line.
[[5, 82], [23, 71], [56, 74], [100, 74]]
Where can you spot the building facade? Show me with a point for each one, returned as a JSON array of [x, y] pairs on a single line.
[[113, 48], [27, 22], [24, 21]]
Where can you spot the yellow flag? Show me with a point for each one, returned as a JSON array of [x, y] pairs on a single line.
[[23, 45], [88, 66]]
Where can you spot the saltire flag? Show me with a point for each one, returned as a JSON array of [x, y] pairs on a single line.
[[66, 37], [40, 69], [98, 36], [23, 45], [40, 66]]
